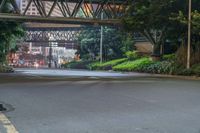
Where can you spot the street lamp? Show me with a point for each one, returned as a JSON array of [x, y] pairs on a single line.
[[189, 34], [50, 52], [101, 41]]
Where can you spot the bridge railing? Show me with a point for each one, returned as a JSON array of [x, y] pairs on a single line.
[[82, 11]]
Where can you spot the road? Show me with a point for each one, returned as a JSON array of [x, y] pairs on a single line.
[[135, 104]]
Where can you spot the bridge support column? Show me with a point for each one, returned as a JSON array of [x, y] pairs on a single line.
[[50, 55]]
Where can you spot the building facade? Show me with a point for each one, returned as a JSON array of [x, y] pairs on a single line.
[[32, 10]]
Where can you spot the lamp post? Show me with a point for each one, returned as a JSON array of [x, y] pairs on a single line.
[[101, 41], [50, 52], [189, 34]]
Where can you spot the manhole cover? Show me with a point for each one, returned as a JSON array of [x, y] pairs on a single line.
[[2, 108]]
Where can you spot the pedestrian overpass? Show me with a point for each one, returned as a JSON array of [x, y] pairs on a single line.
[[63, 12], [108, 12]]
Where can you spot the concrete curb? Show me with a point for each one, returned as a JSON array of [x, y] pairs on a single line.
[[176, 76]]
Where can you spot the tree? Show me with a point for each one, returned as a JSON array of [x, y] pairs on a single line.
[[196, 22], [152, 18], [115, 43], [181, 18], [88, 43], [9, 32]]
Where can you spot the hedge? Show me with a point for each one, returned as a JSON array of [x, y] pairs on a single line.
[[135, 65], [106, 65]]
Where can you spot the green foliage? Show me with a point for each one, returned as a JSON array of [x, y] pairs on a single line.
[[196, 69], [106, 65], [115, 43], [148, 66], [144, 64], [193, 71], [155, 25], [94, 66], [196, 22], [9, 32], [170, 67], [181, 54], [183, 19], [185, 72], [133, 65], [167, 20], [127, 43], [169, 57], [77, 65], [160, 67], [5, 69], [132, 55]]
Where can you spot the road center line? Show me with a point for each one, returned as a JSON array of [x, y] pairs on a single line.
[[7, 124]]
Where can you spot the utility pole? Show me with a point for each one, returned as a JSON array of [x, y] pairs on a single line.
[[101, 41], [189, 34]]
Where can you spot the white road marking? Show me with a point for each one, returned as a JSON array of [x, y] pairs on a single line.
[[7, 124]]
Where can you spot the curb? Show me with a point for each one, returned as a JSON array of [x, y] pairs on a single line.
[[176, 76]]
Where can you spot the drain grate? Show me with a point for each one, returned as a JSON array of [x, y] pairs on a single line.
[[2, 108]]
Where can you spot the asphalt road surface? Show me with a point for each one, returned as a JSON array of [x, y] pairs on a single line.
[[132, 105]]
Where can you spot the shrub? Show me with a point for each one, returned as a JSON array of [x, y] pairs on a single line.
[[77, 65], [131, 55], [6, 69], [136, 65], [161, 67], [185, 72], [169, 57], [182, 55], [196, 69], [106, 65], [94, 65]]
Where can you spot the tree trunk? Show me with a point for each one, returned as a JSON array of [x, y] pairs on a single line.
[[156, 52]]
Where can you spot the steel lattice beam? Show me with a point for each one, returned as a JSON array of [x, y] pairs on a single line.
[[69, 11], [61, 35], [69, 45]]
